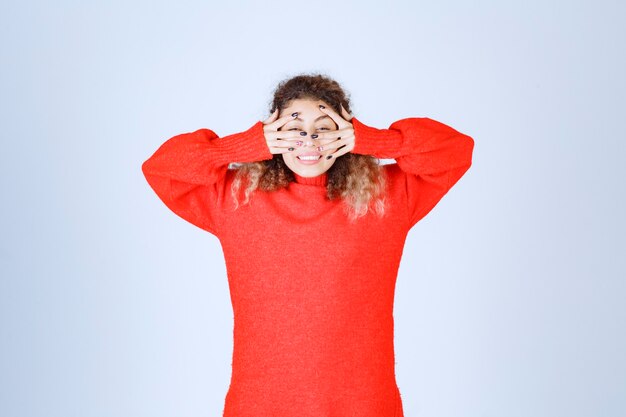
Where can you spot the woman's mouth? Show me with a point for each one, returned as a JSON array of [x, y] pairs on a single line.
[[309, 158]]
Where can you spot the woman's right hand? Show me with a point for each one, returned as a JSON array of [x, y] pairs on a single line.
[[281, 141]]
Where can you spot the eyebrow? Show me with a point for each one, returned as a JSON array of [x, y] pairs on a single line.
[[319, 118]]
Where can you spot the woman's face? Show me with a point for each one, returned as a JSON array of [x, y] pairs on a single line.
[[311, 120]]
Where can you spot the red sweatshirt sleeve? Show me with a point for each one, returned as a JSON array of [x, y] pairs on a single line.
[[188, 171], [432, 155]]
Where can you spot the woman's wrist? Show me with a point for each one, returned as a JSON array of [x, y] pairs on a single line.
[[247, 146], [381, 143]]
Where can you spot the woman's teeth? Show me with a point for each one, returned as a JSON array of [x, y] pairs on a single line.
[[310, 158]]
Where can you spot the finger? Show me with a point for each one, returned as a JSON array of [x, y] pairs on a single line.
[[278, 151], [276, 124], [344, 150], [284, 134], [332, 134], [271, 118], [336, 144], [280, 122], [283, 146], [282, 143], [341, 122]]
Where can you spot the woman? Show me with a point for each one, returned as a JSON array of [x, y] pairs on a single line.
[[313, 252]]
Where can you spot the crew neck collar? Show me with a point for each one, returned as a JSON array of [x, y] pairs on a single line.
[[318, 180]]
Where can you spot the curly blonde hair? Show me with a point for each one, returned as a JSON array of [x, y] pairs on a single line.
[[357, 179]]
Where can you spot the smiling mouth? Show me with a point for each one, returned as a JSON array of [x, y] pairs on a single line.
[[309, 157]]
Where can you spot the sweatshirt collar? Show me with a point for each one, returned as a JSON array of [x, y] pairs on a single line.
[[319, 180]]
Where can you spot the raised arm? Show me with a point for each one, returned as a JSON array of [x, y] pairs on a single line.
[[431, 155], [187, 172]]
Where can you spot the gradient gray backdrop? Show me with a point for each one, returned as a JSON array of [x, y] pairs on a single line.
[[510, 296]]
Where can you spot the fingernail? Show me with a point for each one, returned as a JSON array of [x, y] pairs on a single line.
[[322, 106], [291, 149], [329, 156], [303, 133], [299, 143], [320, 148], [295, 114], [314, 136]]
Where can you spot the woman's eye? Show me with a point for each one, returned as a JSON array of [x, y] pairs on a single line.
[[324, 128], [294, 128]]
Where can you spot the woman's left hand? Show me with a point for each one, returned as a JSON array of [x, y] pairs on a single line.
[[344, 135]]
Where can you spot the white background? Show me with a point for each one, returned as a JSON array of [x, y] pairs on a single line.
[[510, 296]]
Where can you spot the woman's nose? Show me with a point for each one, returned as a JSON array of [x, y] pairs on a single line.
[[311, 140], [312, 135]]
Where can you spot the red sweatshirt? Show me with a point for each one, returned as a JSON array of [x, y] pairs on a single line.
[[312, 294]]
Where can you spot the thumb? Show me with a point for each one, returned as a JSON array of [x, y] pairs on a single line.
[[272, 118], [345, 113]]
